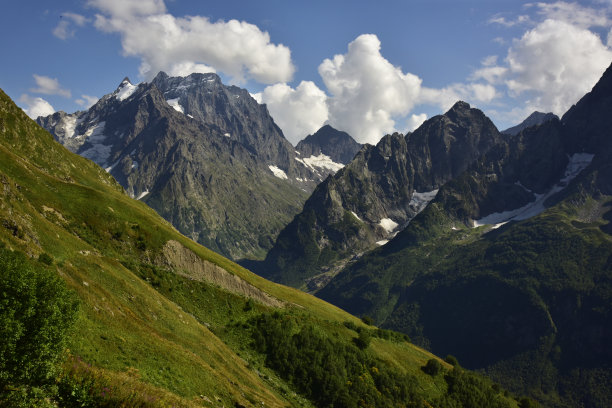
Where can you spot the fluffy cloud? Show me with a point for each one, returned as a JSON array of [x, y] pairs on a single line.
[[299, 111], [86, 101], [555, 64], [367, 91], [36, 106], [177, 45], [572, 13], [414, 121], [49, 86], [64, 30]]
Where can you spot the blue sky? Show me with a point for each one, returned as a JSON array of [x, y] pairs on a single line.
[[365, 67]]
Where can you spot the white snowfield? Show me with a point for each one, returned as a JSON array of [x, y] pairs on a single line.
[[142, 195], [382, 242], [355, 215], [577, 163], [125, 90], [176, 105], [388, 224], [321, 161], [278, 172]]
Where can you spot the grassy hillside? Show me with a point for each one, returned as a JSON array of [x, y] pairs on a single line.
[[163, 321]]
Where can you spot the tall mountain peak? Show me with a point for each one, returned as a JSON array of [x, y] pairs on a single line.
[[536, 118], [339, 146], [199, 153]]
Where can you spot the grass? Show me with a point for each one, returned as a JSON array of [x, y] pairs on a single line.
[[146, 336]]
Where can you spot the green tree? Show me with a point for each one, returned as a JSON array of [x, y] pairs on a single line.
[[36, 311], [433, 367]]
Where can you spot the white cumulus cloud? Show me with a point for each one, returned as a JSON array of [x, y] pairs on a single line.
[[36, 106], [366, 90], [298, 112], [555, 63], [179, 44], [414, 121], [49, 86]]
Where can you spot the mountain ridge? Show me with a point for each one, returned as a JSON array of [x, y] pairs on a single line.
[[205, 156]]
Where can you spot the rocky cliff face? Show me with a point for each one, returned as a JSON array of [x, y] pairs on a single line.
[[339, 146], [367, 202], [207, 157], [509, 267]]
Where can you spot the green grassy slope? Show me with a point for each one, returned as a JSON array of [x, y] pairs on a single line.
[[151, 331]]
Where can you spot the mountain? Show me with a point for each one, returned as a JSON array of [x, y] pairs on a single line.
[[514, 258], [327, 150], [536, 118], [205, 156], [163, 321], [374, 196]]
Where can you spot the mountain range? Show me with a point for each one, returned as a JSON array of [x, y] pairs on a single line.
[[374, 196], [509, 267], [164, 321], [205, 156]]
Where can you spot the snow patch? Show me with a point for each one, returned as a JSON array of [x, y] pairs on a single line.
[[278, 172], [112, 166], [69, 126], [577, 163], [227, 135], [382, 242], [125, 90], [98, 152], [135, 165], [321, 161], [356, 216], [176, 105], [142, 195], [388, 224]]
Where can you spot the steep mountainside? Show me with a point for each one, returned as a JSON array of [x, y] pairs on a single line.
[[376, 195], [327, 150], [205, 156], [514, 257], [536, 118], [164, 321]]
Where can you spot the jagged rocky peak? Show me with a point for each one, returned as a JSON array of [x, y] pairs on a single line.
[[199, 153], [536, 118], [339, 146]]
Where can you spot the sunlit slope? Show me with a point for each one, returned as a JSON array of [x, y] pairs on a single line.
[[156, 308]]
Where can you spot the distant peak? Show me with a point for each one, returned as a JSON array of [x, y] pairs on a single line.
[[460, 106], [125, 81]]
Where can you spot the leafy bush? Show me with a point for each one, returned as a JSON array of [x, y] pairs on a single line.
[[326, 370], [452, 360], [433, 367], [36, 311], [363, 339]]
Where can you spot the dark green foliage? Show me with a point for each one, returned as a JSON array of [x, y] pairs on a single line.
[[363, 339], [329, 372], [466, 389], [452, 360], [367, 320], [45, 258], [528, 403], [433, 367], [36, 311]]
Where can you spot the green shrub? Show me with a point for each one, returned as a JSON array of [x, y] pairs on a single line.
[[433, 367], [452, 360], [45, 258], [36, 311]]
